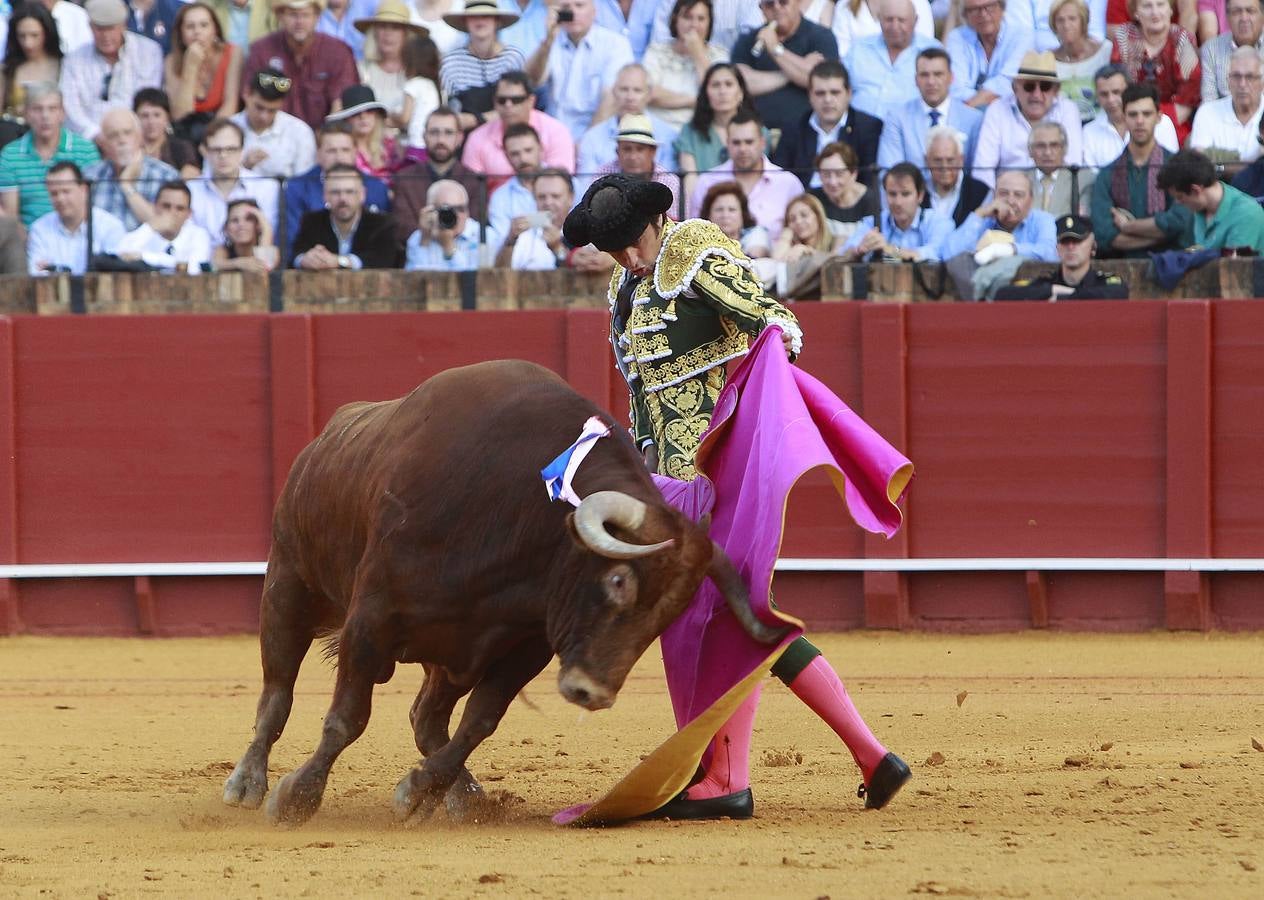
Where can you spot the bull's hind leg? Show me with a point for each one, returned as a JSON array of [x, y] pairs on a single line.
[[421, 789], [289, 617], [430, 714]]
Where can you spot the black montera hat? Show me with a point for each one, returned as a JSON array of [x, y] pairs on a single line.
[[614, 212]]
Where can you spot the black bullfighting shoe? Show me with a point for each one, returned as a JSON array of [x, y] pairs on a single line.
[[885, 783], [740, 805]]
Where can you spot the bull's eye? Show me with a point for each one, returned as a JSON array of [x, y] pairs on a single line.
[[620, 586]]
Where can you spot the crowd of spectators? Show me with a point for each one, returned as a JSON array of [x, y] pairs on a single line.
[[455, 134]]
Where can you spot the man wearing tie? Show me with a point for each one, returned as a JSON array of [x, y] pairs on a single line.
[[904, 131], [1059, 191]]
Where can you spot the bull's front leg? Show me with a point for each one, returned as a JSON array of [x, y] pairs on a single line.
[[430, 715], [422, 788]]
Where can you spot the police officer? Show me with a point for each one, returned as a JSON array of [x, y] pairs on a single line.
[[1075, 279]]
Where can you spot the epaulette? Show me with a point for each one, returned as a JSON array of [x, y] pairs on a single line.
[[1109, 278], [1021, 282]]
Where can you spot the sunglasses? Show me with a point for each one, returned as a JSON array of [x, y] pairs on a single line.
[[1045, 87], [505, 100], [277, 82]]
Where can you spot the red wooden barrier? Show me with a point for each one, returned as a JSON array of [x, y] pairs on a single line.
[[1038, 430]]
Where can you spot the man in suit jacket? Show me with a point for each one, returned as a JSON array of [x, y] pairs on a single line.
[[345, 235], [904, 129], [952, 192], [831, 119], [1057, 190]]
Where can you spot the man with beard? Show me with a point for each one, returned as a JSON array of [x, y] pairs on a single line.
[[306, 193], [443, 148], [345, 235]]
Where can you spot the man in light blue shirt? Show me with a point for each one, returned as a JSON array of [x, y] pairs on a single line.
[[531, 28], [1033, 16], [636, 26], [882, 65], [904, 133], [986, 52], [338, 19], [58, 241], [447, 246], [515, 197], [904, 230], [1035, 234], [577, 68]]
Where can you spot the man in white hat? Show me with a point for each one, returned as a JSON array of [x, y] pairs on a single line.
[[636, 149], [1006, 128], [322, 67], [631, 97], [109, 71]]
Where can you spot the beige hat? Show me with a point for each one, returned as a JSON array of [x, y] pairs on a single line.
[[391, 12], [636, 129], [480, 8], [1038, 67], [297, 4], [105, 13]]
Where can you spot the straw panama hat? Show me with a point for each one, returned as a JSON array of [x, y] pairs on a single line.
[[480, 8], [1038, 67], [636, 129], [390, 12], [297, 4]]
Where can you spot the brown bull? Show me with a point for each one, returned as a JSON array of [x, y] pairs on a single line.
[[419, 530]]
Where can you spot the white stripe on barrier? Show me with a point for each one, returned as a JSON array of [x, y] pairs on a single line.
[[983, 564]]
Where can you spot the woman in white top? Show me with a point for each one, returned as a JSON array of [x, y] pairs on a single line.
[[856, 19], [676, 67], [383, 67]]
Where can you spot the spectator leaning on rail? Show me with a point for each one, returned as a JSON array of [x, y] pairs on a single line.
[[170, 241], [125, 183], [25, 162], [443, 160], [306, 193], [905, 129], [883, 66], [831, 118], [537, 242], [1224, 217], [58, 241], [954, 192], [446, 238], [276, 143], [345, 235], [1075, 278], [1226, 129], [1106, 136], [1033, 231], [905, 230], [110, 70], [1246, 29]]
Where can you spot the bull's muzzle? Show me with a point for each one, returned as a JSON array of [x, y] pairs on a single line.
[[577, 687]]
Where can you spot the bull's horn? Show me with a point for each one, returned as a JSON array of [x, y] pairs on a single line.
[[737, 596], [616, 508]]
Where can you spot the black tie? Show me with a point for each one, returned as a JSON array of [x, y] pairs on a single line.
[[934, 118], [171, 250]]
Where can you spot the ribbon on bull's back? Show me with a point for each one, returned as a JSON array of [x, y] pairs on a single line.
[[750, 459]]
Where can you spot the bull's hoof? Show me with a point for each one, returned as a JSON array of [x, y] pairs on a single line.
[[416, 796], [465, 800], [247, 786], [295, 799]]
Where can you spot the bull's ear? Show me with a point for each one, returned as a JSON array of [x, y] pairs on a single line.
[[570, 529]]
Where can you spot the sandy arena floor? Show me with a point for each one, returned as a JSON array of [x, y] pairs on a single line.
[[1045, 765]]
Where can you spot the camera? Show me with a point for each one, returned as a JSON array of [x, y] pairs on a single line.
[[566, 15], [446, 216]]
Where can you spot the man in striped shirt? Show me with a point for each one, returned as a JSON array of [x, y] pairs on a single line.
[[25, 162]]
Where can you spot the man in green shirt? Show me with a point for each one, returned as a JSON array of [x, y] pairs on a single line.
[[1223, 215], [25, 162]]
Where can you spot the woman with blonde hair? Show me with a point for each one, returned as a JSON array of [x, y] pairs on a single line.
[[806, 231], [1078, 54], [383, 68], [202, 73], [377, 153]]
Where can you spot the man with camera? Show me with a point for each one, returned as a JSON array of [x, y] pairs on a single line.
[[535, 241], [345, 235], [446, 238]]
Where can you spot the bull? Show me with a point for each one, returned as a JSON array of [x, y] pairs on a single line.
[[418, 530]]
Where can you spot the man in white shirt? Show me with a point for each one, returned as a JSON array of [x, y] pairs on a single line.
[[1106, 136], [1226, 129], [276, 142], [170, 241], [227, 179], [536, 242], [108, 71], [58, 241], [73, 28], [513, 200]]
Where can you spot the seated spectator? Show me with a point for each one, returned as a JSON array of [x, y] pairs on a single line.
[[676, 68], [384, 69], [1036, 16], [446, 238], [277, 143], [1057, 190], [58, 240], [442, 160], [855, 20], [306, 192], [986, 52], [377, 154], [576, 68], [788, 49], [953, 193], [1079, 54], [202, 75], [514, 199], [700, 146], [1106, 136], [805, 231], [1007, 124], [1226, 129], [1250, 180], [905, 230], [227, 179], [468, 74], [1033, 230], [170, 241], [905, 127], [830, 119], [535, 241], [125, 184], [340, 19], [844, 196], [421, 69], [345, 235], [1130, 214], [322, 66], [154, 19], [154, 112], [631, 95], [109, 71], [25, 162], [729, 18], [1173, 69], [636, 154], [1224, 217], [73, 28], [768, 187], [882, 66], [1075, 278], [725, 205], [32, 54], [515, 103], [1246, 29], [247, 245]]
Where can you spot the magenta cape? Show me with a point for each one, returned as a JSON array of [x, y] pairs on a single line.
[[786, 424]]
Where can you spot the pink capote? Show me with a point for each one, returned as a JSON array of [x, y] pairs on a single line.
[[754, 452]]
